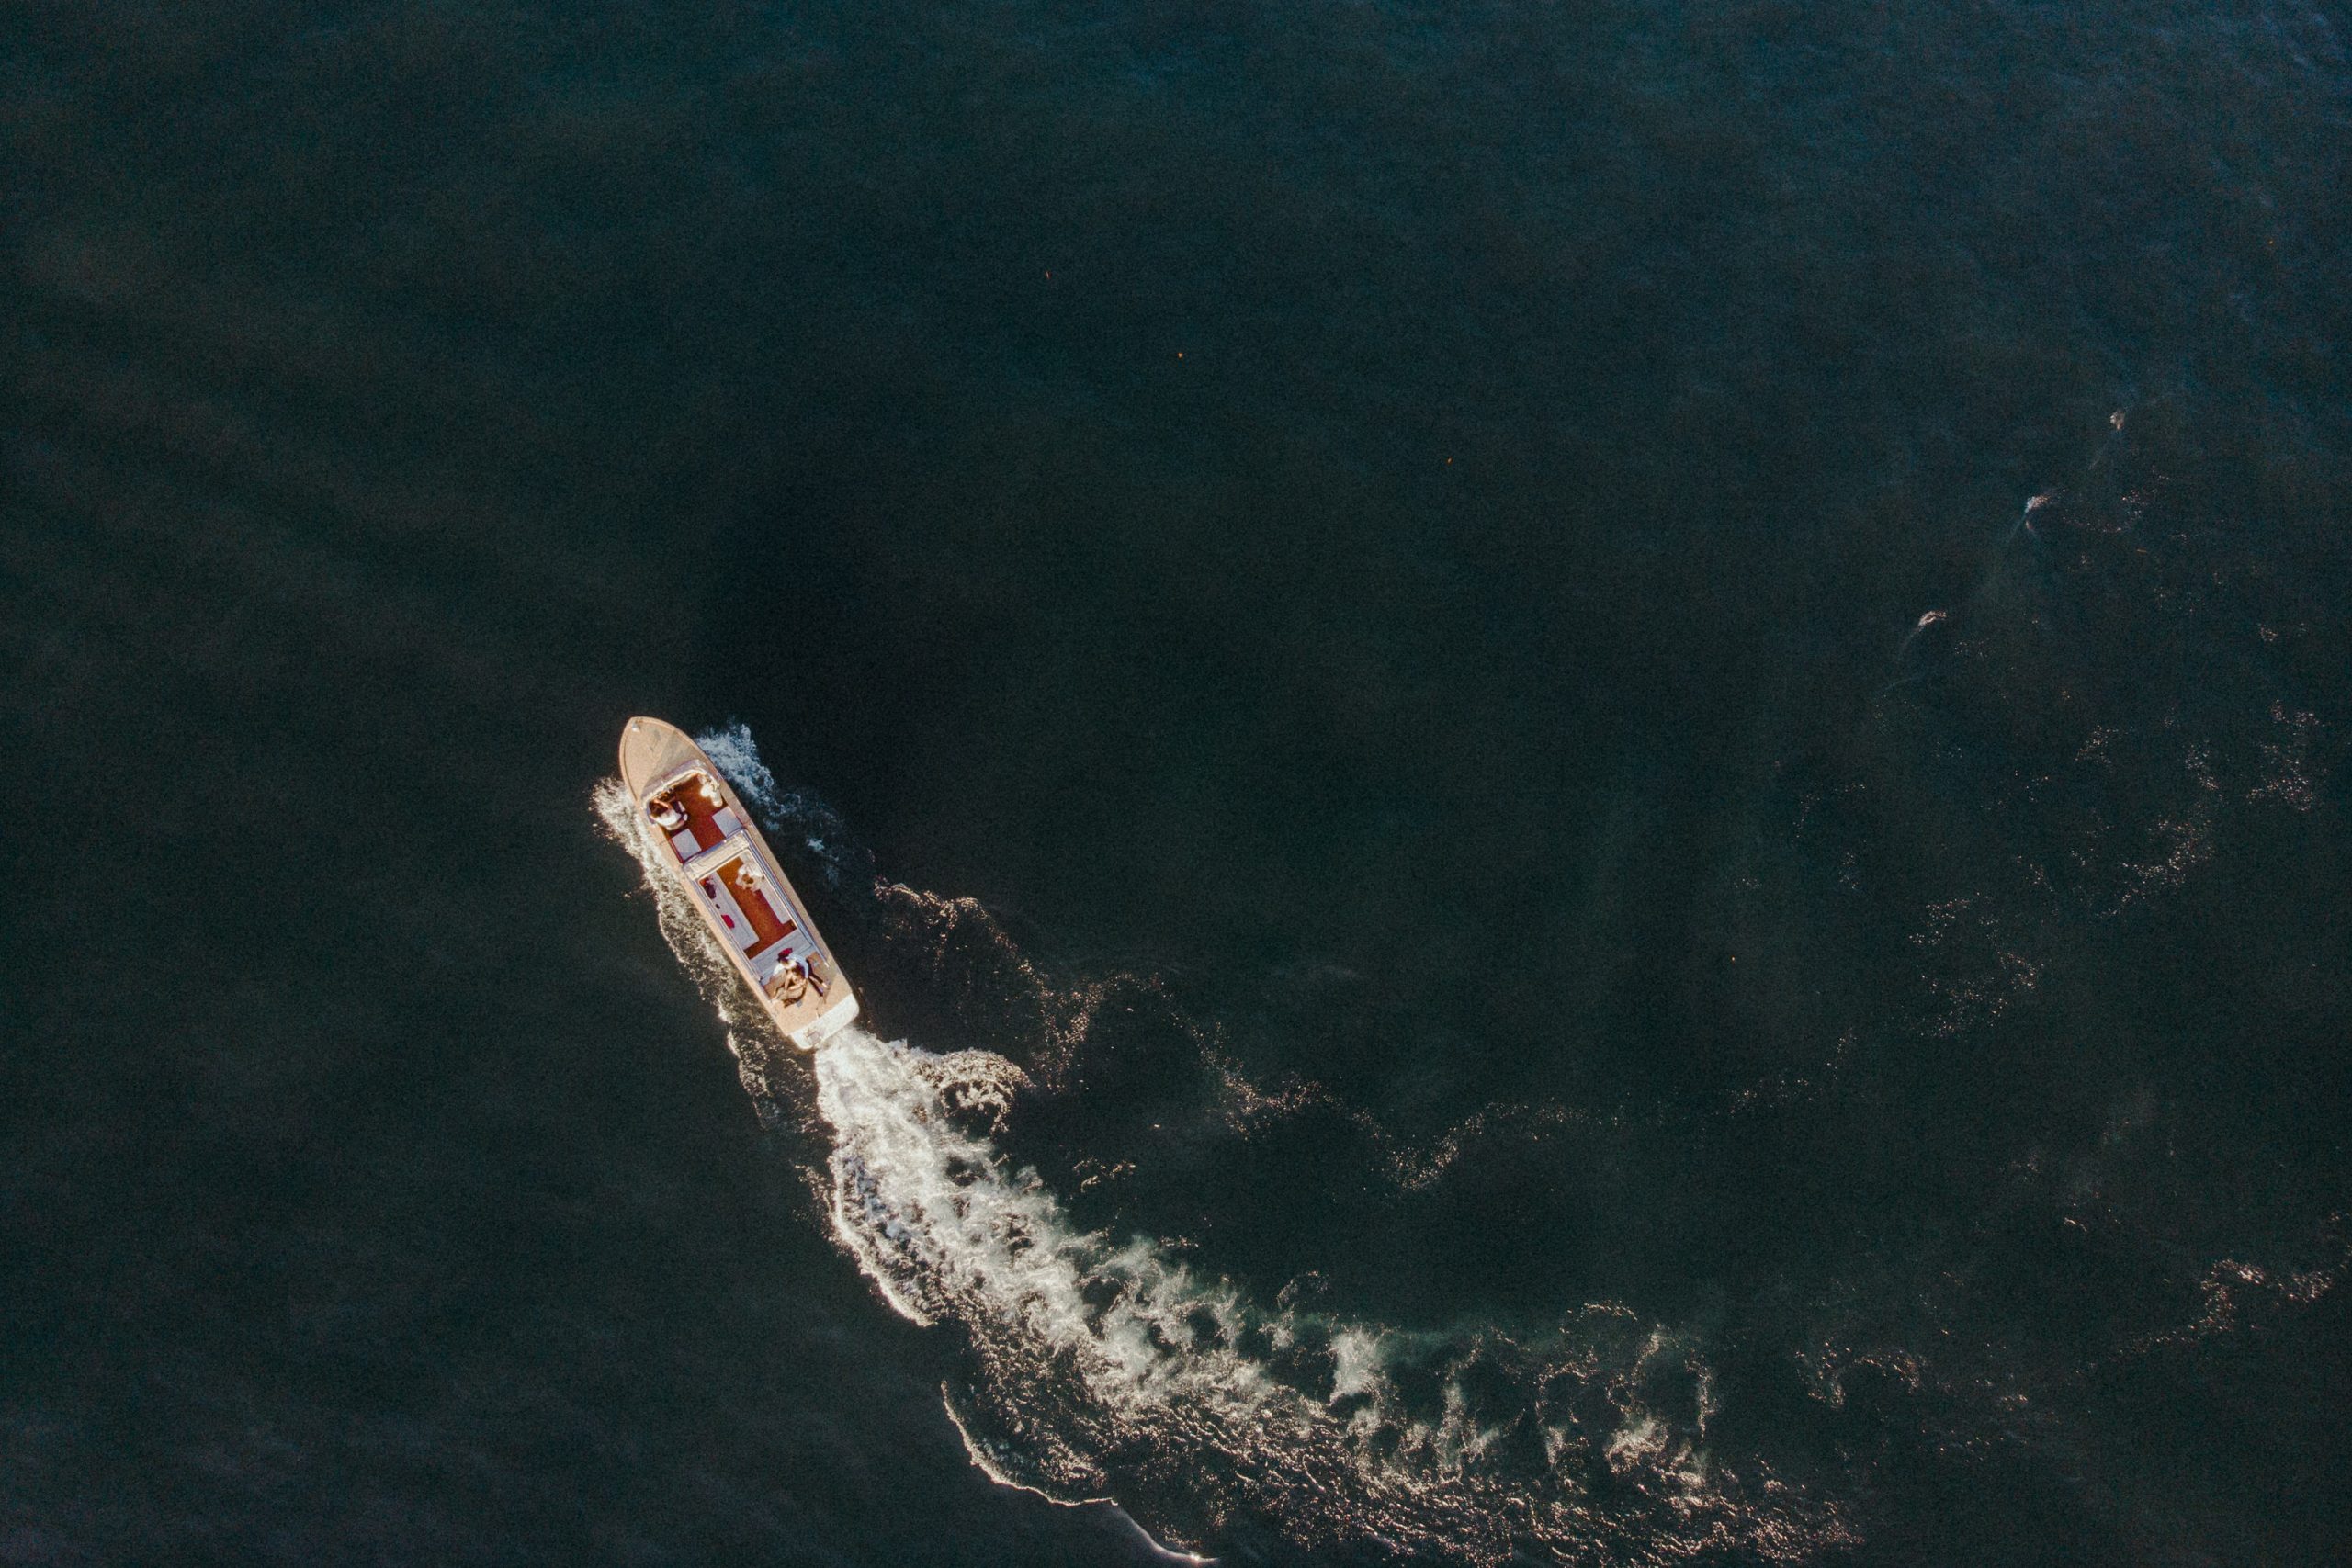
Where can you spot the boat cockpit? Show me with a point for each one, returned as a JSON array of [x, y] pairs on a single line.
[[693, 813]]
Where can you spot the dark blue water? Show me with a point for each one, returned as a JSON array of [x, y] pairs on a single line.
[[1586, 765]]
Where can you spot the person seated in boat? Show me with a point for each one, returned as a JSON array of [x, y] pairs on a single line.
[[790, 982], [667, 814]]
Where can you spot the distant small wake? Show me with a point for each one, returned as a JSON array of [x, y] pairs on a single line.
[[1103, 1367]]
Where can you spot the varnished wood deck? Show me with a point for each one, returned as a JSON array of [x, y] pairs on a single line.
[[768, 926]]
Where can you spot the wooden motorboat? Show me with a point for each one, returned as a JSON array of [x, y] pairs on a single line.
[[731, 875]]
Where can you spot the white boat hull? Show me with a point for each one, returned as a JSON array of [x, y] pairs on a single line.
[[730, 874]]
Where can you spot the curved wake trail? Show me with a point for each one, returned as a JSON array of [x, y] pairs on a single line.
[[1102, 1366]]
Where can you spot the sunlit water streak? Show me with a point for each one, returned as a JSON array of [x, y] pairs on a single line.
[[1102, 1366]]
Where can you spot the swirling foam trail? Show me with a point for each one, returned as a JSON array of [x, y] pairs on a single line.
[[1102, 1356], [1102, 1366], [1108, 1367]]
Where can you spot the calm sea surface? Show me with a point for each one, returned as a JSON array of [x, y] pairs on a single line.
[[1587, 764]]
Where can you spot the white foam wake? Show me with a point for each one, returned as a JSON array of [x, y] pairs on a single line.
[[1102, 1365], [816, 824], [1105, 1366]]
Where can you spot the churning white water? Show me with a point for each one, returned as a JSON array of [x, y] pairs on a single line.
[[1101, 1365]]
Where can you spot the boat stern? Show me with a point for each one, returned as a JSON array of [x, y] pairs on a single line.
[[832, 1021]]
